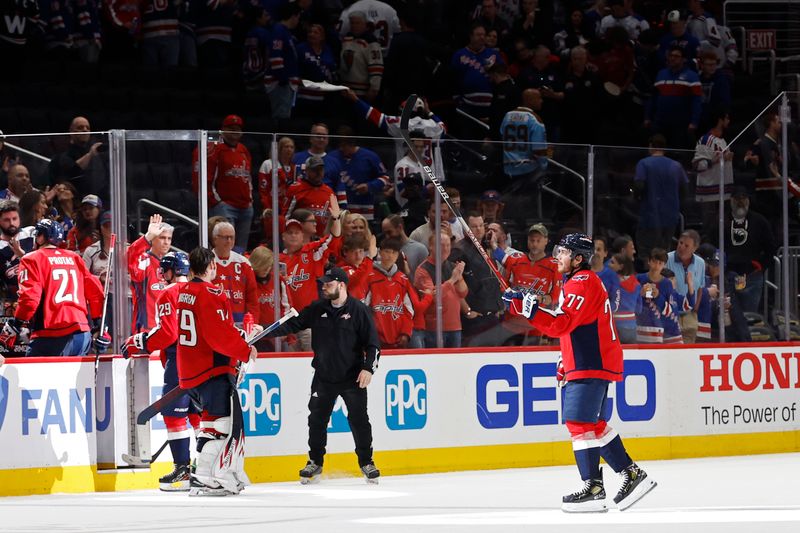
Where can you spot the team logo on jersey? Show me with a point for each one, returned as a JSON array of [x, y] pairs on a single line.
[[266, 298], [395, 308], [296, 280], [580, 277], [216, 291], [3, 399], [158, 286], [406, 399], [260, 395], [346, 316]]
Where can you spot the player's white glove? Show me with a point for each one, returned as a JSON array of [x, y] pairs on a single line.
[[529, 301], [561, 376]]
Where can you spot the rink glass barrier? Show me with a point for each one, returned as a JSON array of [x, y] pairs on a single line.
[[63, 187], [431, 411]]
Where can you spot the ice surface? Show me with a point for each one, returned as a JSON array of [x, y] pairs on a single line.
[[731, 495]]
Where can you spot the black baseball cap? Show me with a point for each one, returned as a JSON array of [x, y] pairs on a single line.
[[335, 274]]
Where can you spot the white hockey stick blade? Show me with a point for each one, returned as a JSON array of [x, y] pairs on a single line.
[[135, 461]]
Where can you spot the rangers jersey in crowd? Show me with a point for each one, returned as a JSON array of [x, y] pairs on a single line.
[[56, 20], [228, 175], [304, 267], [381, 17], [473, 86], [315, 67], [57, 293], [363, 166], [361, 67], [86, 23], [524, 142], [255, 60], [590, 347], [214, 21], [10, 261], [208, 343], [304, 195], [283, 67], [236, 278], [707, 158], [630, 304], [159, 18], [145, 273], [650, 318]]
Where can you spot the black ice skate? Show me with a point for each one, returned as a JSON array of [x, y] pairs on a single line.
[[175, 481], [371, 473], [310, 473], [591, 499], [635, 484]]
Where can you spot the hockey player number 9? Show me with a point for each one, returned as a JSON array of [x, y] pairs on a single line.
[[186, 325], [64, 294]]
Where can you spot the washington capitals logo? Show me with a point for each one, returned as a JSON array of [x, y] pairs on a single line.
[[296, 280], [395, 308]]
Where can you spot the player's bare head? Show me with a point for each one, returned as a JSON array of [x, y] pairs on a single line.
[[262, 260], [224, 238], [9, 218], [201, 263], [392, 226], [532, 99]]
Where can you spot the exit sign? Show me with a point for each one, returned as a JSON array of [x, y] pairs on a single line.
[[761, 39]]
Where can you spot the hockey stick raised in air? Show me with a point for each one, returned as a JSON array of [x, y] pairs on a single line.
[[404, 118], [154, 408], [140, 461]]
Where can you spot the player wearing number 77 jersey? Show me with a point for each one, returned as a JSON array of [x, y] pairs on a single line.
[[56, 295], [592, 359]]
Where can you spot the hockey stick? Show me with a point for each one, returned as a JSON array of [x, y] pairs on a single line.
[[154, 408], [112, 242], [139, 461], [404, 118]]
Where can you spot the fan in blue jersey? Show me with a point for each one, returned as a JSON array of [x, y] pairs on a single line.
[[257, 43], [524, 137], [316, 62]]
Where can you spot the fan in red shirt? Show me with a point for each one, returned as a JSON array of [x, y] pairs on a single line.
[[592, 359], [230, 188], [208, 347], [305, 263], [163, 337], [234, 274], [392, 298], [57, 294], [310, 193], [262, 261], [534, 272], [144, 256]]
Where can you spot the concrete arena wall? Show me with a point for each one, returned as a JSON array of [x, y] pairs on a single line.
[[431, 411]]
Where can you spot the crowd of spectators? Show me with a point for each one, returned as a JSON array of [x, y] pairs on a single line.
[[561, 70]]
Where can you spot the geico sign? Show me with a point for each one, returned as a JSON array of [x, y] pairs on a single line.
[[503, 394], [748, 371]]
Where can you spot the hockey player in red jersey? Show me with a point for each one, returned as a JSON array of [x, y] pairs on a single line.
[[234, 273], [144, 256], [209, 345], [57, 295], [163, 337], [592, 359], [306, 263]]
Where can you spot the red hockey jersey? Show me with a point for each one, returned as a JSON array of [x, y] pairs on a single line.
[[316, 199], [583, 321], [358, 277], [147, 281], [165, 332], [541, 277], [304, 267], [208, 342], [228, 175], [55, 288], [287, 175], [266, 300], [235, 277], [391, 298]]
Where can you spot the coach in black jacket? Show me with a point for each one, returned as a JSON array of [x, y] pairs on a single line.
[[346, 352]]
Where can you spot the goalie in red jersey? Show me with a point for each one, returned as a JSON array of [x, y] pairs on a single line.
[[592, 359]]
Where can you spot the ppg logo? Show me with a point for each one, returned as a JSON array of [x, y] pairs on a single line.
[[260, 395], [3, 399], [338, 422], [406, 399]]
